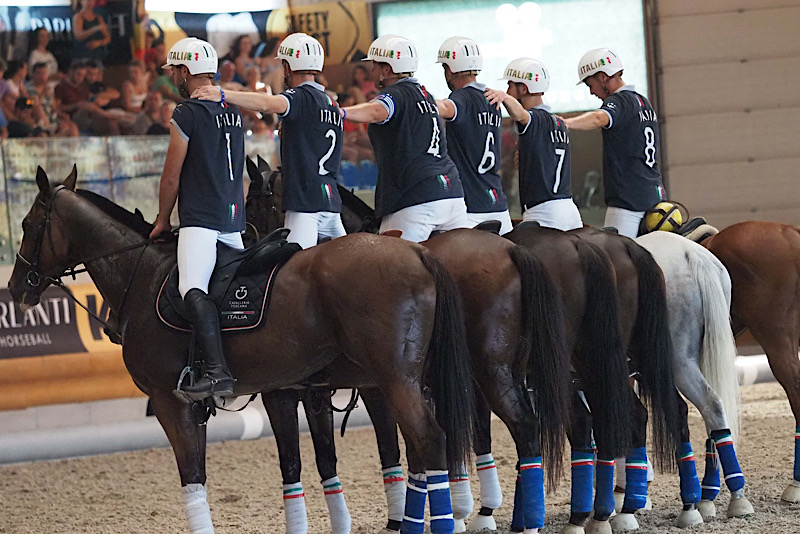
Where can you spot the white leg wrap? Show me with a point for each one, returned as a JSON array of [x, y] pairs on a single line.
[[337, 506], [395, 487], [620, 472], [197, 512], [294, 505], [651, 473], [461, 494], [491, 495]]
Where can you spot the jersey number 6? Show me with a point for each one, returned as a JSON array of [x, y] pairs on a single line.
[[488, 159]]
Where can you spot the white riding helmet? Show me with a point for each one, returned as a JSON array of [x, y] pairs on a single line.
[[598, 60], [461, 54], [532, 73], [302, 52], [398, 52], [198, 56]]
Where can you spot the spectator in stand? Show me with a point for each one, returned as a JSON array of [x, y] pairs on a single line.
[[54, 122], [90, 31], [100, 94], [356, 146], [227, 77], [240, 56], [149, 115], [136, 88], [263, 142], [24, 125], [164, 117], [163, 82], [74, 96], [40, 54], [12, 86], [270, 66], [252, 80], [363, 81], [3, 126]]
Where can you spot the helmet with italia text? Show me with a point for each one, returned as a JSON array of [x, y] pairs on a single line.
[[197, 55], [461, 54], [302, 52], [528, 71], [599, 60], [398, 52]]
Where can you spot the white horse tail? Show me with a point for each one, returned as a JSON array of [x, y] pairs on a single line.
[[718, 357]]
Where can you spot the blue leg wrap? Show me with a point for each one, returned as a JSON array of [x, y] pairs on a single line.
[[635, 480], [687, 468], [582, 475], [532, 482], [734, 478], [711, 483], [604, 488], [797, 453], [416, 493], [439, 497], [517, 519]]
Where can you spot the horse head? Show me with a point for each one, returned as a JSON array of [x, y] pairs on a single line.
[[44, 252], [263, 205]]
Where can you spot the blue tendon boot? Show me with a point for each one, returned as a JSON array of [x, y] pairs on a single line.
[[734, 479]]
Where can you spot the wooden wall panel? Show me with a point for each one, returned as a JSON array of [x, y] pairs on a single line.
[[677, 8], [732, 86], [730, 137], [700, 39]]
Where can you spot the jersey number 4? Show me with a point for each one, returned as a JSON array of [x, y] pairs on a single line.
[[332, 136], [434, 148]]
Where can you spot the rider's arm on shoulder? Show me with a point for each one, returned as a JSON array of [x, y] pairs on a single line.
[[447, 109], [171, 175], [516, 111], [245, 99], [590, 120], [373, 112]]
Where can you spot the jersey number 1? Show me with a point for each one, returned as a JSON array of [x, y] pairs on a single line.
[[322, 170]]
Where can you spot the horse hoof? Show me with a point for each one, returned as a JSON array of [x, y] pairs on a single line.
[[624, 522], [707, 509], [569, 528], [387, 531], [482, 522], [459, 526], [689, 518], [792, 492], [598, 527], [619, 498], [740, 508]]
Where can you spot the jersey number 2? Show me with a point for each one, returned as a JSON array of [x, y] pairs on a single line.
[[322, 170]]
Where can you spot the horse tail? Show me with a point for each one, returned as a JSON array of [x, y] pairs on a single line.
[[449, 367], [602, 342], [718, 357], [652, 347], [544, 343]]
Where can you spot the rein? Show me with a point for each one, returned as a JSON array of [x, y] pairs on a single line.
[[34, 277]]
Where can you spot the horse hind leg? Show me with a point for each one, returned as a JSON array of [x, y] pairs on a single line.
[[281, 406], [317, 406], [687, 469], [491, 495], [188, 440]]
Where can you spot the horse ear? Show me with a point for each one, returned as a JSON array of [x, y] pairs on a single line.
[[263, 166], [42, 181], [272, 178], [253, 172], [71, 180]]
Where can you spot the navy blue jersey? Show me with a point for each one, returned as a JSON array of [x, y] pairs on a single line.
[[411, 152], [544, 162], [211, 194], [631, 177], [311, 149], [473, 137]]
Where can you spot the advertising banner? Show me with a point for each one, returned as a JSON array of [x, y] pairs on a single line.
[[54, 326]]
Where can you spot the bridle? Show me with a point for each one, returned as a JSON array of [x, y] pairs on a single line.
[[34, 276]]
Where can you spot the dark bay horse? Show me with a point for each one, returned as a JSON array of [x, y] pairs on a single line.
[[462, 252], [763, 260], [387, 305]]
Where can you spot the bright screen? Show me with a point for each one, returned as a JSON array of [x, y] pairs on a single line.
[[556, 32]]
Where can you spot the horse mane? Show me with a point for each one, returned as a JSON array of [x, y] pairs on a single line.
[[354, 203], [134, 221]]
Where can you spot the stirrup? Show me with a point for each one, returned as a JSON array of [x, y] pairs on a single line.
[[219, 387], [178, 391]]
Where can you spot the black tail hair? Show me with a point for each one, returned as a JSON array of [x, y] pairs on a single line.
[[651, 350], [600, 345], [548, 359], [449, 367]]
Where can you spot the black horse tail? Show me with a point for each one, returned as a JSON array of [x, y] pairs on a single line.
[[545, 349], [449, 368], [608, 390], [651, 348]]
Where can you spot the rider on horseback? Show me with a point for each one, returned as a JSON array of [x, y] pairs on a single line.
[[203, 169]]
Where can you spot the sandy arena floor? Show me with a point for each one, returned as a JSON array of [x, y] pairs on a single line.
[[138, 492]]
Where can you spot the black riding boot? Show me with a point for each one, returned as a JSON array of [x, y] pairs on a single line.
[[217, 379]]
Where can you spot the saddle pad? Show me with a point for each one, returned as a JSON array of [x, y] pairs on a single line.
[[241, 306]]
